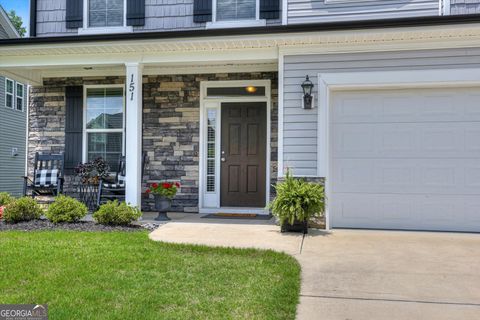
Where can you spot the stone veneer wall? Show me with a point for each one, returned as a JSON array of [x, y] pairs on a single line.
[[171, 115], [172, 127]]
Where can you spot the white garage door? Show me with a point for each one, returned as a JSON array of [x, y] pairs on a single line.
[[406, 159]]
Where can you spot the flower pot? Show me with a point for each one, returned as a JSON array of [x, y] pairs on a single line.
[[297, 226], [162, 205]]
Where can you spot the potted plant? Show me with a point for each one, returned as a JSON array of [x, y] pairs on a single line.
[[92, 171], [296, 202], [90, 174], [163, 193]]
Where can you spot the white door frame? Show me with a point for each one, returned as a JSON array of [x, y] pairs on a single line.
[[331, 82], [204, 101]]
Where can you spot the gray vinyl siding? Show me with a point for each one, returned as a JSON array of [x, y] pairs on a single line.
[[160, 15], [311, 11], [12, 134], [300, 126], [3, 33], [464, 6]]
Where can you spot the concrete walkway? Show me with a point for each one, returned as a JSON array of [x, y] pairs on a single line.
[[356, 274]]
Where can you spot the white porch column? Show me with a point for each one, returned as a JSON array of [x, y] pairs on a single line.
[[133, 148]]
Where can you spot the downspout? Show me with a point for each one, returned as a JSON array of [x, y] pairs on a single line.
[[27, 111]]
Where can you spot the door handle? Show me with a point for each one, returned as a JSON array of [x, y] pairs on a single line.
[[222, 159]]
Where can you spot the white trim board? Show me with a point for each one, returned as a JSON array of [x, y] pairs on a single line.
[[331, 82], [216, 103]]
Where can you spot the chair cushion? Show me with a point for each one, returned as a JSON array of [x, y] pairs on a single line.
[[46, 178], [114, 185]]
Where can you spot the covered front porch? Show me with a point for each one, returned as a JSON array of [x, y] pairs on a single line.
[[161, 105]]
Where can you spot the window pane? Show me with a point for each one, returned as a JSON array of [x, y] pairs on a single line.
[[236, 91], [9, 86], [106, 13], [228, 10], [211, 142], [105, 145], [19, 104], [19, 90], [9, 101], [105, 108]]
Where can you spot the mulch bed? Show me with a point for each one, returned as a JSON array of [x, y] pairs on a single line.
[[37, 225]]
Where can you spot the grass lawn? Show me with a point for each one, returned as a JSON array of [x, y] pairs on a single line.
[[124, 275]]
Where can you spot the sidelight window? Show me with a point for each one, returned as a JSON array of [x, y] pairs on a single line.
[[211, 137]]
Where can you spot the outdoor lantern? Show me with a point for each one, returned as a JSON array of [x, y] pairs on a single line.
[[307, 87]]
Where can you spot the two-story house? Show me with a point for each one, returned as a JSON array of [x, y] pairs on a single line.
[[13, 121], [212, 91]]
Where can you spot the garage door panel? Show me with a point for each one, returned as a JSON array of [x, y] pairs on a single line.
[[407, 140], [411, 212], [422, 176], [409, 105], [406, 159]]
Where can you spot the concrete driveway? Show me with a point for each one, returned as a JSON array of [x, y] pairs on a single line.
[[353, 274], [357, 274]]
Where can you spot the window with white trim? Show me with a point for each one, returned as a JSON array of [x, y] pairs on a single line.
[[19, 96], [106, 13], [211, 137], [104, 125], [9, 93], [234, 10], [235, 13]]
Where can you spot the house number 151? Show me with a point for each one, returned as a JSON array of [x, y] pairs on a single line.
[[131, 88]]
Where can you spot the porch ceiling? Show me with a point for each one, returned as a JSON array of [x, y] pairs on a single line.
[[34, 61]]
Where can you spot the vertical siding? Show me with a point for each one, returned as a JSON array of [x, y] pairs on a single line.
[[12, 134], [300, 126], [464, 6], [311, 11]]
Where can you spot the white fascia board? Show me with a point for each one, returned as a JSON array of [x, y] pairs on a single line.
[[226, 56], [261, 48]]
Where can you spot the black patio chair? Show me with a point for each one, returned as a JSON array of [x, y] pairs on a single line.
[[48, 176], [115, 190]]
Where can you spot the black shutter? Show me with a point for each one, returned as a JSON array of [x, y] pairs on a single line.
[[269, 9], [33, 18], [74, 14], [202, 10], [73, 127], [135, 12]]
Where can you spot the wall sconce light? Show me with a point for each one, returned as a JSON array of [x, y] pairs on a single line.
[[307, 86]]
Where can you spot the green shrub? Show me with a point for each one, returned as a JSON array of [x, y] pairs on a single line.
[[5, 198], [298, 200], [66, 209], [116, 213], [22, 209]]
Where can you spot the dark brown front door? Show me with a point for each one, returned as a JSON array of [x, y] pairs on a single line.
[[243, 152]]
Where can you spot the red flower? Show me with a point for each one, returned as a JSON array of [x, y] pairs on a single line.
[[177, 184], [166, 185], [148, 191], [155, 185], [1, 211]]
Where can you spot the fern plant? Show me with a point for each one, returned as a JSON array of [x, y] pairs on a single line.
[[298, 200]]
